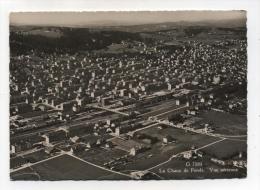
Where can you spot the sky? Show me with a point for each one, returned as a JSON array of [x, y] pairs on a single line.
[[119, 18]]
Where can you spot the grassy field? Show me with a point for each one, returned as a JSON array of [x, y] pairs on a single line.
[[25, 174], [47, 33], [226, 123], [226, 149], [116, 48], [66, 167]]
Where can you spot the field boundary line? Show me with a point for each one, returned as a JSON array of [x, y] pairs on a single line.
[[98, 166], [32, 164]]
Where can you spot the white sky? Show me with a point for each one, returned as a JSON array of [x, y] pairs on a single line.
[[119, 18]]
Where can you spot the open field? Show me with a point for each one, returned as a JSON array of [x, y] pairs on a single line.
[[66, 167], [226, 149], [46, 32], [226, 123], [116, 48], [25, 174]]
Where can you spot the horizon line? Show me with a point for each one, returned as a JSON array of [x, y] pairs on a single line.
[[131, 18]]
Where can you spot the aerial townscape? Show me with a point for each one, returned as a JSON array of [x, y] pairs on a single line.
[[150, 101]]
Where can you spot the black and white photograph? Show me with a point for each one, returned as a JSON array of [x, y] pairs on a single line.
[[128, 95]]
